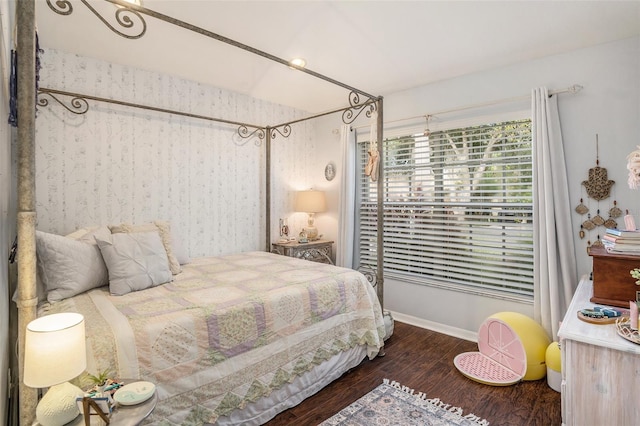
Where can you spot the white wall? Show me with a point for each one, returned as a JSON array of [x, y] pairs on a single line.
[[609, 105], [7, 200], [118, 164]]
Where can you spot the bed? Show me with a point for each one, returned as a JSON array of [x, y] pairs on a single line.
[[228, 340], [206, 370]]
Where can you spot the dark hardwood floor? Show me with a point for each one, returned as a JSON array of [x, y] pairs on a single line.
[[423, 360]]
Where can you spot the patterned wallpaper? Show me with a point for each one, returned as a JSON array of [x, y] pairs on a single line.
[[120, 164]]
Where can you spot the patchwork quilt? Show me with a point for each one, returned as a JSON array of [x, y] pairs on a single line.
[[228, 330]]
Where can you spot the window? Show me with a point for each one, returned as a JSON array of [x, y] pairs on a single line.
[[458, 208]]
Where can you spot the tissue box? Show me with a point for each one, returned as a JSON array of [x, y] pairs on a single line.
[[612, 283]]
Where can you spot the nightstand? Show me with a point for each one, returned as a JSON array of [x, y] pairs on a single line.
[[122, 415], [315, 251]]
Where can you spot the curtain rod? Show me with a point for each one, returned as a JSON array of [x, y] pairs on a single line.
[[572, 89]]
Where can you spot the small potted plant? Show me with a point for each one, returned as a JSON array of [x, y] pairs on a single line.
[[99, 380]]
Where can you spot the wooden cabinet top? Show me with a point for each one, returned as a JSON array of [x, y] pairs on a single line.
[[602, 252]]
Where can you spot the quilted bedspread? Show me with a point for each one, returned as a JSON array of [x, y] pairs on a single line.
[[228, 330]]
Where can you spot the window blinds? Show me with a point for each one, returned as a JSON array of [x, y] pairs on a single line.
[[458, 207]]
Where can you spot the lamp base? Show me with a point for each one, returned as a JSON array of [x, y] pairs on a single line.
[[312, 233], [58, 406]]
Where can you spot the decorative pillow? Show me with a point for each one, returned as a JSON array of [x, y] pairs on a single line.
[[68, 267], [162, 229], [82, 232], [135, 261], [178, 248], [87, 235]]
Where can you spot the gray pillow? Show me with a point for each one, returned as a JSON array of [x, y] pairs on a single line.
[[135, 261], [68, 267]]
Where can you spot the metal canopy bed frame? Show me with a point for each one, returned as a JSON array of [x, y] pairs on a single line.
[[28, 96]]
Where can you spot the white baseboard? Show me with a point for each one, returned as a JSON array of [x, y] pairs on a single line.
[[460, 333]]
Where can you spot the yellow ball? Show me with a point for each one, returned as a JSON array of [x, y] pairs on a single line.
[[553, 357]]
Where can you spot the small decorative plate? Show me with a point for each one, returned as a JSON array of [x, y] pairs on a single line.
[[134, 393], [623, 327], [603, 320], [330, 171]]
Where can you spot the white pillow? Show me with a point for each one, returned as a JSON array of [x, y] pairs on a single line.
[[68, 267], [81, 233], [163, 229], [135, 261]]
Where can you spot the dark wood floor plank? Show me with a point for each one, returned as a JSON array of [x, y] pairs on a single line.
[[423, 360]]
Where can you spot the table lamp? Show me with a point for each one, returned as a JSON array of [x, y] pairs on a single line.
[[54, 352], [310, 202]]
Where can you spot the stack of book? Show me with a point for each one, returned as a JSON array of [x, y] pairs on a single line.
[[622, 242]]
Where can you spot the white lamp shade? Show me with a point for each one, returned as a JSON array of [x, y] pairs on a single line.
[[55, 350], [310, 201]]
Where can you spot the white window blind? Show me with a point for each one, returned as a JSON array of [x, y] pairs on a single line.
[[458, 207]]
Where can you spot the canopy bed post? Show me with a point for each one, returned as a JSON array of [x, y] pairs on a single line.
[[380, 206], [267, 197], [26, 215]]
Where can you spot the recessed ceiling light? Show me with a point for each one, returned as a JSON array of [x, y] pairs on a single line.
[[298, 63], [136, 2]]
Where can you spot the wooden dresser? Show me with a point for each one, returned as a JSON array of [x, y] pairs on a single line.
[[600, 370]]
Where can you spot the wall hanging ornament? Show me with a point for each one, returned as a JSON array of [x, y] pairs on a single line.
[[597, 242], [610, 224], [597, 219], [588, 224], [581, 208], [615, 212], [598, 186]]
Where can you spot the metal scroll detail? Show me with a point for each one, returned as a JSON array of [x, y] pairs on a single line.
[[245, 133], [284, 131], [62, 7], [77, 105], [369, 274], [125, 17], [356, 108]]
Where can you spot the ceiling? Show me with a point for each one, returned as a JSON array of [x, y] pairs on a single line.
[[378, 47]]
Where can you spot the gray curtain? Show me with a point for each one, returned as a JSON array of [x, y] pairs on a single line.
[[555, 271], [346, 214]]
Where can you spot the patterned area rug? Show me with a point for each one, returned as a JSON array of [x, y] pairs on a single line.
[[394, 404]]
